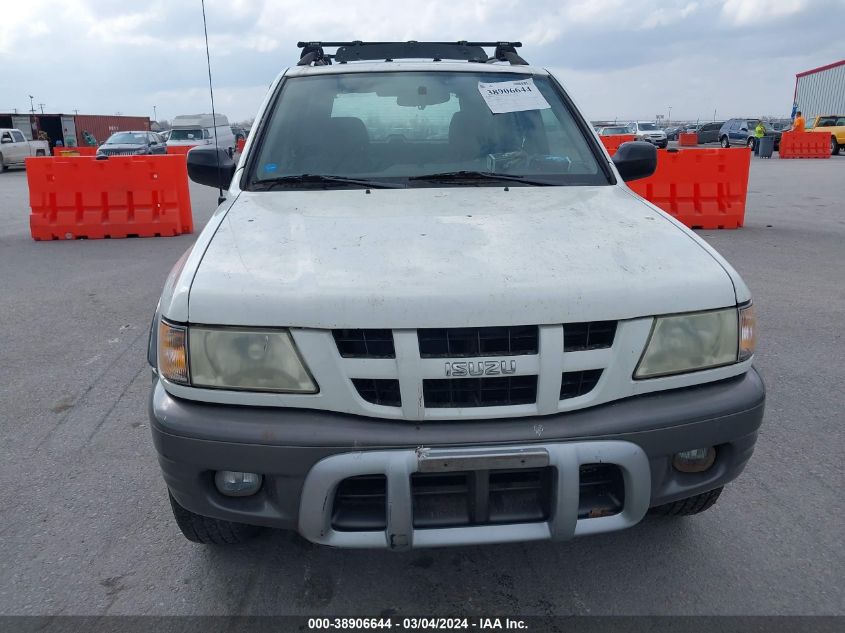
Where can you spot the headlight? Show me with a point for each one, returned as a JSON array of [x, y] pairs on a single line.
[[255, 360], [232, 358], [689, 342]]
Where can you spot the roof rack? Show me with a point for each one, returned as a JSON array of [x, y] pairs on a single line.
[[356, 51]]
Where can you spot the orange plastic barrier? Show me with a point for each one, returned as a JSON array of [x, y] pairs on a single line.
[[240, 144], [613, 142], [804, 145], [179, 149], [82, 197], [74, 151], [688, 139], [702, 188]]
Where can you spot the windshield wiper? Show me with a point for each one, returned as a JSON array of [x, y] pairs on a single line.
[[279, 181], [448, 176]]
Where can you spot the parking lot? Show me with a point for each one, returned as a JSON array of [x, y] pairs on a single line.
[[87, 529]]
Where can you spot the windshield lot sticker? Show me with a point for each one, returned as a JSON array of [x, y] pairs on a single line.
[[512, 96], [271, 167]]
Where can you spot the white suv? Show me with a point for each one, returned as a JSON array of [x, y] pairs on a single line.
[[430, 312], [648, 131]]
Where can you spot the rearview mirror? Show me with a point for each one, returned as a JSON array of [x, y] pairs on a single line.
[[635, 160], [210, 166]]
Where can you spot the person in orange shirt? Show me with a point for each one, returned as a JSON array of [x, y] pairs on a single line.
[[798, 124]]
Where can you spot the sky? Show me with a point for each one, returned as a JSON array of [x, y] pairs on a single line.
[[626, 59]]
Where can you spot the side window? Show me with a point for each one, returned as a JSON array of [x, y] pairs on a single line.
[[734, 126], [744, 125], [7, 137], [17, 136]]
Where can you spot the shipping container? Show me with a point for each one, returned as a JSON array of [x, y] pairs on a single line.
[[101, 127], [821, 91], [71, 129]]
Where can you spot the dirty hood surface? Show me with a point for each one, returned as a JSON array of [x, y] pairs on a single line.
[[449, 257]]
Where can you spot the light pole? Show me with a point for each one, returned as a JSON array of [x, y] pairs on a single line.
[[669, 121], [155, 115], [31, 105]]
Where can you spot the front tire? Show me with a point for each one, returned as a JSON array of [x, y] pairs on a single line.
[[724, 142], [834, 146], [208, 531], [689, 506]]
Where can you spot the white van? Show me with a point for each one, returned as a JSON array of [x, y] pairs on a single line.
[[199, 129]]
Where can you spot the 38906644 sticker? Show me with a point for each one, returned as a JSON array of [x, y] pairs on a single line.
[[512, 96]]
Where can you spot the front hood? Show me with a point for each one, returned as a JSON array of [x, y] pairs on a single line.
[[449, 257]]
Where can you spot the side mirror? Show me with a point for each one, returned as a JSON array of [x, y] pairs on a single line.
[[635, 160], [210, 166]]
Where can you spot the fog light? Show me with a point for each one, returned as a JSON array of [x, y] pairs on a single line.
[[695, 461], [236, 484]]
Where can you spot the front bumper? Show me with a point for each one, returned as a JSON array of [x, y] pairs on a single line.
[[305, 454]]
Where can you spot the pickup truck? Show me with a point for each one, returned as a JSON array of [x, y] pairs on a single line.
[[15, 149], [833, 125], [431, 312]]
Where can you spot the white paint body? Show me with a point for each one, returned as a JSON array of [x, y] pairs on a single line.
[[14, 153], [206, 124], [413, 258]]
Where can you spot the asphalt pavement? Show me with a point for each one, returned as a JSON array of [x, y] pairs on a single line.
[[85, 526]]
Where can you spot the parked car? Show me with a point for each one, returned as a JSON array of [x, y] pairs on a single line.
[[132, 143], [673, 131], [199, 129], [239, 133], [780, 125], [478, 337], [15, 149], [614, 130], [741, 132], [833, 125], [648, 131], [708, 132]]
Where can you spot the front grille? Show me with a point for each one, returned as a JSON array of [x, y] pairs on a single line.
[[579, 337], [118, 152], [578, 383], [479, 392], [364, 343], [482, 497], [478, 341], [383, 391], [360, 503], [479, 497]]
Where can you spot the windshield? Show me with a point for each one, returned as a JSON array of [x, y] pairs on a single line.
[[130, 138], [394, 127], [186, 135], [647, 126]]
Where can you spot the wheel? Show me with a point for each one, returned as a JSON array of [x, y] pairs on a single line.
[[3, 166], [834, 146], [39, 152], [724, 142], [750, 143], [687, 507], [208, 531]]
